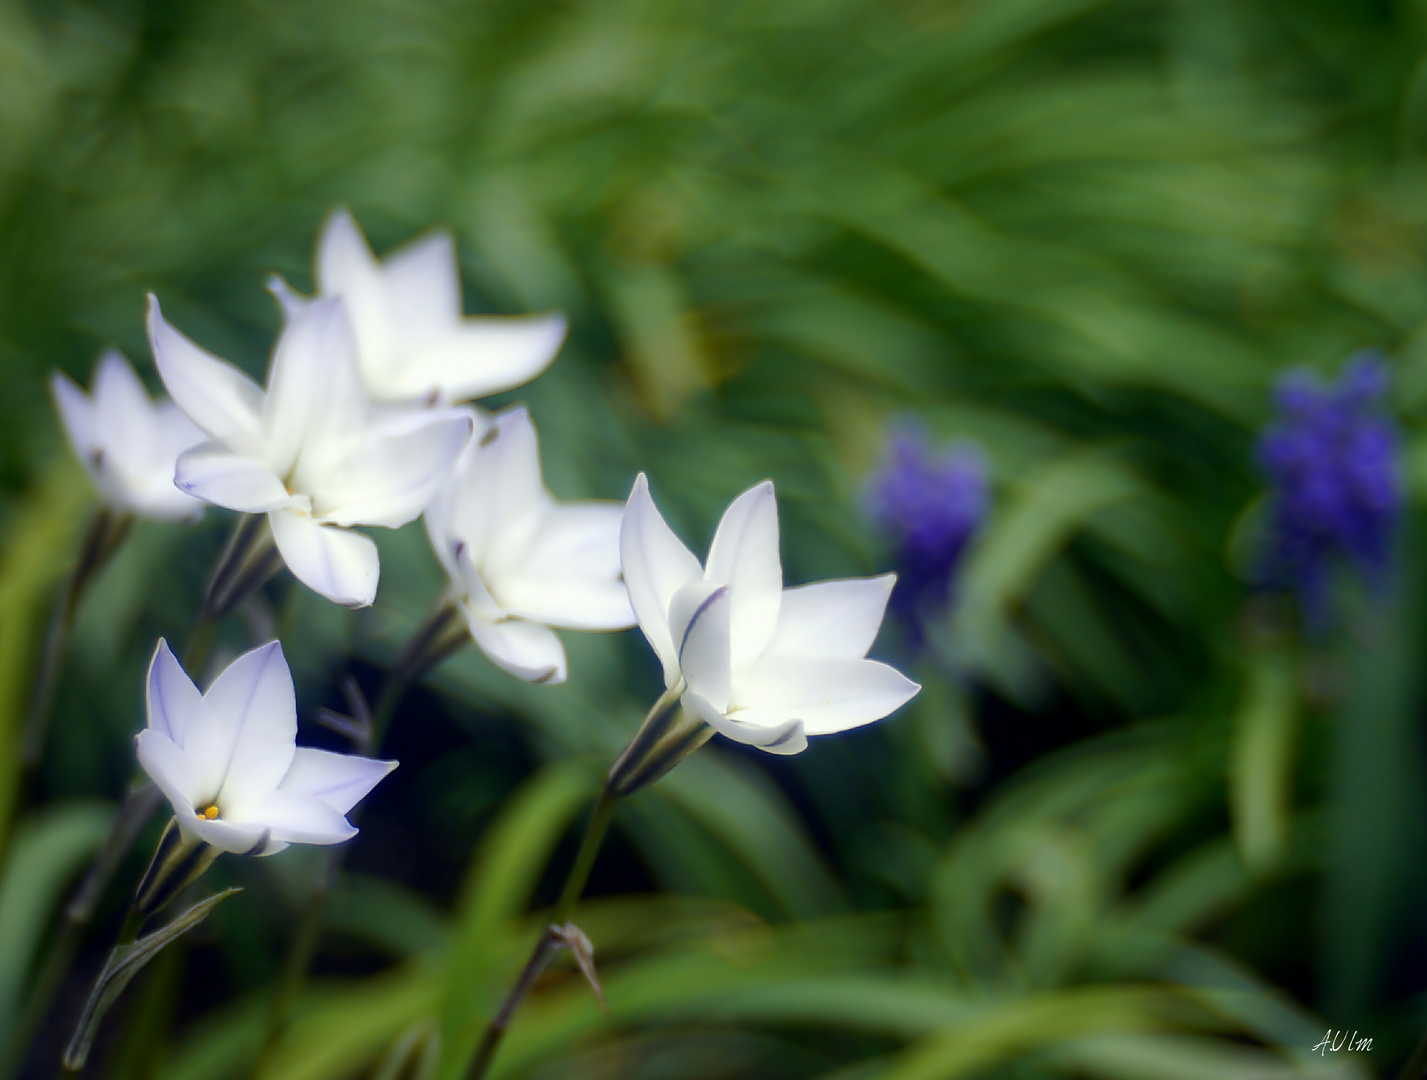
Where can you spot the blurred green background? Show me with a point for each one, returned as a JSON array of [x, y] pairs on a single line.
[[1134, 826]]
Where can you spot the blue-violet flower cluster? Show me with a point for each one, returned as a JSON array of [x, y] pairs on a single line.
[[929, 501], [1331, 457]]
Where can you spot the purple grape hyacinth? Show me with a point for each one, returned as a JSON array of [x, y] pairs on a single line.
[[1331, 458], [929, 502]]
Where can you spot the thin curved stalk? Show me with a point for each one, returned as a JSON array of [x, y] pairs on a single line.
[[666, 736], [138, 806], [441, 634], [106, 532], [551, 938]]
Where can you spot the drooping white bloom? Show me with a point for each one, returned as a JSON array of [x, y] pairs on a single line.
[[127, 442], [413, 341], [228, 761], [309, 451], [520, 562], [761, 664]]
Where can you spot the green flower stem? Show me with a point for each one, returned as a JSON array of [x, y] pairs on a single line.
[[666, 736], [106, 532], [138, 806], [244, 544], [550, 938], [303, 947], [441, 634], [177, 863], [136, 809]]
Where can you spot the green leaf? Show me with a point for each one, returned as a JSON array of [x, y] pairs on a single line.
[[1007, 1030], [37, 550], [1261, 761], [124, 962], [757, 825], [662, 346], [334, 1034], [1031, 524], [388, 915], [48, 849], [503, 874], [1162, 1056]]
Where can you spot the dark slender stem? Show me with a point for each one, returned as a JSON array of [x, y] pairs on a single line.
[[101, 540], [235, 552], [134, 813], [77, 1051], [550, 938], [585, 858], [37, 720], [495, 1030], [303, 949]]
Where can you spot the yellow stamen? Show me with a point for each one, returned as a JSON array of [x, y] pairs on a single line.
[[210, 813]]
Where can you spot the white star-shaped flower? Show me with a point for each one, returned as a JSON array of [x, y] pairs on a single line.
[[413, 342], [127, 442], [761, 664], [228, 761], [520, 562], [309, 451]]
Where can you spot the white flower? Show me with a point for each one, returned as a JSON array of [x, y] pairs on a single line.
[[761, 664], [128, 443], [520, 562], [309, 451], [412, 340], [228, 761]]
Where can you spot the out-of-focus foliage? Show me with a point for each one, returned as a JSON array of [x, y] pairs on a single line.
[[1135, 825]]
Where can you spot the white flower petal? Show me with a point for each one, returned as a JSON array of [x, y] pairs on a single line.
[[787, 737], [745, 556], [123, 413], [395, 472], [347, 268], [572, 602], [339, 564], [291, 817], [339, 780], [312, 384], [568, 575], [176, 432], [831, 618], [827, 694], [699, 619], [292, 302], [217, 397], [424, 284], [161, 497], [76, 414], [656, 565], [171, 698], [484, 355], [578, 540], [457, 515], [236, 837], [169, 768], [527, 650], [505, 485], [252, 702], [223, 477]]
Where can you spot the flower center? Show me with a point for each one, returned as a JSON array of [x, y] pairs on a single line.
[[209, 813]]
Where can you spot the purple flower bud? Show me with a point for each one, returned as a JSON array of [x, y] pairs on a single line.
[[929, 502], [1331, 458]]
